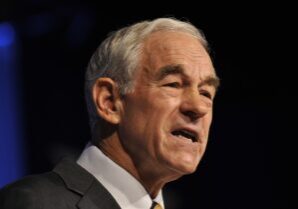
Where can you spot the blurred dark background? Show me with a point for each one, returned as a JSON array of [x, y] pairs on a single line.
[[45, 47]]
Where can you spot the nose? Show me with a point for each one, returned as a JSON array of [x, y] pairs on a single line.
[[194, 105]]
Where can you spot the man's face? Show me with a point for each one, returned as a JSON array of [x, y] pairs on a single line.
[[166, 119]]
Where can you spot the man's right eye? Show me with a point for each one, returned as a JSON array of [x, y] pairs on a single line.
[[173, 85]]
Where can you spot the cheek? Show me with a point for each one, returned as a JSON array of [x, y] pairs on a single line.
[[147, 117], [141, 122], [207, 120]]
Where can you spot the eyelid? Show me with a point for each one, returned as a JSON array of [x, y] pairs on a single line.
[[206, 93], [175, 84]]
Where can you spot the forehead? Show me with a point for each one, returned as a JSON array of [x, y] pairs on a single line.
[[175, 48]]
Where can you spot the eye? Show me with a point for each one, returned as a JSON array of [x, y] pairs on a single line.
[[206, 94], [173, 85]]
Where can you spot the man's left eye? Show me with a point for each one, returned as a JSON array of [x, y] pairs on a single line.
[[206, 94], [173, 85]]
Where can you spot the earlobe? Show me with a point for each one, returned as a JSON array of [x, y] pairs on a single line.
[[106, 100]]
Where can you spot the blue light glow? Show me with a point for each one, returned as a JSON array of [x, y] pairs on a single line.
[[7, 34], [11, 157]]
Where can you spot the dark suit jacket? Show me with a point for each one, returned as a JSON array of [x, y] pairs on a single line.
[[68, 186]]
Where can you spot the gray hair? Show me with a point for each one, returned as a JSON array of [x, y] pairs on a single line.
[[118, 55]]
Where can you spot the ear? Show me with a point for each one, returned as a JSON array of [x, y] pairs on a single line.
[[107, 100]]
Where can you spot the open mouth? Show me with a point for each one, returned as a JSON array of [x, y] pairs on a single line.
[[186, 134]]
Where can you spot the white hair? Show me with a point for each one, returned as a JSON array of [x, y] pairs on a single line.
[[118, 55]]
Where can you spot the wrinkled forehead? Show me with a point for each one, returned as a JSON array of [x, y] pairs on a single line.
[[175, 48]]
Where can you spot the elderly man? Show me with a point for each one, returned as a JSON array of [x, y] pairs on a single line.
[[149, 89]]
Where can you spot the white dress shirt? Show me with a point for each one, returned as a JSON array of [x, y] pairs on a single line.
[[126, 190]]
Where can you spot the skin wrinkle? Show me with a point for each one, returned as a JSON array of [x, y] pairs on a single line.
[[178, 70]]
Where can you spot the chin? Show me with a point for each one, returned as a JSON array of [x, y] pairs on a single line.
[[188, 167]]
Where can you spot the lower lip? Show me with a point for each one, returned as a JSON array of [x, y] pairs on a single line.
[[184, 140]]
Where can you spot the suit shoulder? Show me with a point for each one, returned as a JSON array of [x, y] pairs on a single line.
[[36, 182], [29, 191]]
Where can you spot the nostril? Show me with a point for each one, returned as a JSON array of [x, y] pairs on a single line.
[[192, 115]]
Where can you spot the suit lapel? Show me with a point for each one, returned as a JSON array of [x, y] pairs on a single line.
[[97, 197], [78, 180]]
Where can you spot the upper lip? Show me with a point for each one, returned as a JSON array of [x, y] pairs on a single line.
[[193, 131]]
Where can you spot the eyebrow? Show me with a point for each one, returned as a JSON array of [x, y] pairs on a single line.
[[178, 69], [170, 70], [211, 81]]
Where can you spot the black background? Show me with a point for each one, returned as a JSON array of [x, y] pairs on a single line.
[[251, 151]]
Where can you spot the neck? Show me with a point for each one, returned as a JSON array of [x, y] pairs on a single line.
[[151, 180]]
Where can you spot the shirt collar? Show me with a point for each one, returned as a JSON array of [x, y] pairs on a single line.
[[127, 191]]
